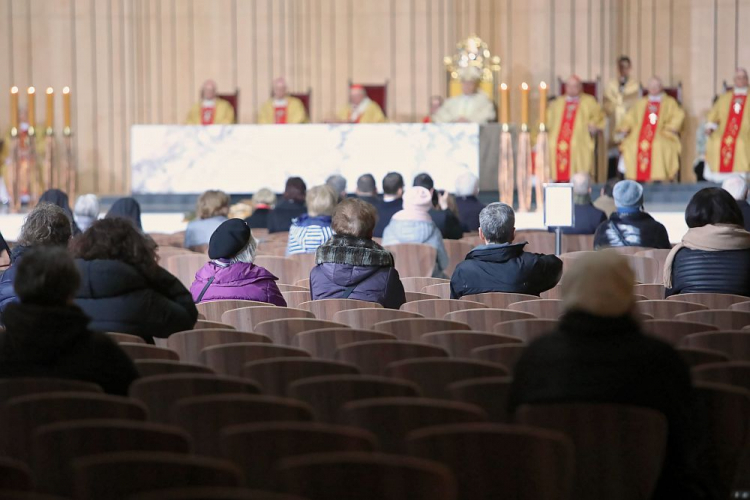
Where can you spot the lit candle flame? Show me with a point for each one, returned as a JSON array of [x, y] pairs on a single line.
[[542, 85], [66, 90], [49, 90], [14, 90], [32, 90], [503, 86], [524, 86]]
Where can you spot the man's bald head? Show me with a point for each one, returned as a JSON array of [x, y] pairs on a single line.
[[573, 86], [208, 90], [279, 88], [740, 78], [357, 94], [654, 86], [581, 184]]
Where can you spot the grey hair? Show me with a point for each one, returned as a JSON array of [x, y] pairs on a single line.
[[497, 221], [467, 184], [581, 183], [87, 205], [337, 183], [247, 254], [736, 186]]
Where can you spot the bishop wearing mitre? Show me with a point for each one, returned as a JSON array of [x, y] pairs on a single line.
[[728, 145], [572, 121], [472, 106], [361, 109], [282, 108], [651, 149], [211, 110]]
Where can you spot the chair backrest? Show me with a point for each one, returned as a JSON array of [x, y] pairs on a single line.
[[228, 359], [710, 300], [417, 283], [255, 448], [667, 309], [289, 271], [696, 357], [673, 331], [324, 342], [542, 309], [438, 308], [103, 476], [283, 331], [305, 97], [326, 308], [441, 290], [736, 373], [203, 324], [190, 343], [159, 393], [646, 269], [413, 259], [497, 461], [306, 262], [204, 417], [184, 266], [125, 337], [372, 356], [505, 355], [660, 254], [305, 283], [741, 306], [540, 241], [489, 393], [294, 299], [736, 345], [415, 296], [590, 87], [723, 319], [626, 250], [293, 288], [365, 318], [434, 375], [526, 329], [499, 300], [577, 242], [144, 351], [15, 476], [26, 386], [485, 319], [619, 450], [652, 291], [213, 309], [413, 329], [378, 93], [275, 375], [460, 344], [246, 318], [457, 251], [234, 100], [152, 367], [329, 393]]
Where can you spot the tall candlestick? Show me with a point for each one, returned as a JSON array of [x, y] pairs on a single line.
[[50, 108], [524, 104], [31, 106], [14, 107], [66, 108], [542, 103], [504, 104]]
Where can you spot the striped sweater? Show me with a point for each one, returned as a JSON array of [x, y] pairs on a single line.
[[307, 233]]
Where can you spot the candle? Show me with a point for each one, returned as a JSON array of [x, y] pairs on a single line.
[[50, 107], [14, 107], [504, 103], [66, 107], [524, 104], [31, 107], [542, 103]]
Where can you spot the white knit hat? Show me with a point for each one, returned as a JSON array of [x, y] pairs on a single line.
[[600, 284]]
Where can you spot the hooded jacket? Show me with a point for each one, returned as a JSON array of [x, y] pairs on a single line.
[[356, 268], [631, 229], [505, 268], [44, 341], [699, 271], [7, 292], [127, 208], [237, 281], [60, 198]]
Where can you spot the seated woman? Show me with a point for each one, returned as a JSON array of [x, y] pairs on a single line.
[[291, 206], [123, 288], [231, 274], [210, 211], [413, 224], [126, 208], [714, 255], [263, 202], [352, 266], [313, 229], [48, 336]]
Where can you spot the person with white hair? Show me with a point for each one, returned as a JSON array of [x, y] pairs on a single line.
[[86, 211], [469, 206], [360, 109], [587, 216], [737, 187], [728, 129], [282, 108], [211, 109], [472, 106]]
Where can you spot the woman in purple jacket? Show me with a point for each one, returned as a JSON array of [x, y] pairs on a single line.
[[351, 265], [231, 274]]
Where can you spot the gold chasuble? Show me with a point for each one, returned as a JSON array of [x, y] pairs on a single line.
[[728, 147], [571, 147], [368, 111], [651, 149], [280, 111], [221, 113]]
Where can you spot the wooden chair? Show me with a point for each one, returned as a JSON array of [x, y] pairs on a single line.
[[24, 415], [153, 367], [286, 269], [497, 461], [553, 293], [673, 331], [457, 251], [417, 283], [103, 476], [204, 417], [372, 356], [413, 259], [329, 393], [189, 344], [542, 308], [283, 331], [505, 355], [488, 393], [577, 242], [696, 357], [306, 264], [15, 477], [365, 476], [255, 448], [326, 308], [646, 269], [667, 309], [415, 296], [212, 493], [460, 344], [499, 300], [213, 310], [56, 446], [365, 318], [441, 290], [125, 337], [392, 419], [184, 266], [540, 241], [205, 325], [736, 373], [735, 345], [305, 283], [324, 342], [159, 393], [626, 250], [26, 386], [275, 375], [145, 351], [710, 300], [434, 375], [484, 320], [652, 291], [526, 329], [660, 255], [438, 308], [619, 450], [294, 299], [228, 359], [413, 329], [723, 319], [246, 318], [292, 288]]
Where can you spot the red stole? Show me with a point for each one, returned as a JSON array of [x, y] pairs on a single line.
[[646, 141], [208, 113], [729, 139], [427, 119], [279, 113], [562, 156]]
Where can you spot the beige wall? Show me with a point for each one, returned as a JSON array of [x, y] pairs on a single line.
[[142, 61]]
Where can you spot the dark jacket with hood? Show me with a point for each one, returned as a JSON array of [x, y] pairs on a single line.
[[468, 211], [505, 268], [356, 268], [7, 292], [127, 208], [59, 198], [386, 210], [631, 229], [44, 341], [258, 219], [280, 218], [700, 271], [120, 298]]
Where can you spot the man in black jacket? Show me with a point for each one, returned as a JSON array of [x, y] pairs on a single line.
[[500, 265], [737, 187], [587, 216], [393, 190], [443, 218]]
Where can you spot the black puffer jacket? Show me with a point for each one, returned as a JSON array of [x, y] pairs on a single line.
[[637, 229], [698, 271], [119, 298]]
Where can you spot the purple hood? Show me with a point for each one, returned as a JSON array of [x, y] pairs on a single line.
[[238, 281]]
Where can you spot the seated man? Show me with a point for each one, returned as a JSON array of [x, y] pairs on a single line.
[[501, 265], [737, 187], [337, 183], [587, 216], [445, 220], [361, 109], [367, 190], [469, 206], [282, 108], [212, 110], [393, 190]]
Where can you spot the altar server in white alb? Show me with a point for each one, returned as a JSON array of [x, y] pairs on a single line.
[[472, 106]]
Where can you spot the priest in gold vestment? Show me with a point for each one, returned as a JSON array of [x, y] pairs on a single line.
[[621, 93], [472, 106], [728, 145], [282, 108], [651, 150], [572, 121], [211, 110], [361, 109]]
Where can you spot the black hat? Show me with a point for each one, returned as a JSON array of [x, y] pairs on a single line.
[[228, 239]]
